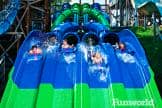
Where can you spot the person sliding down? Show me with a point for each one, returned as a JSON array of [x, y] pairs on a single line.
[[35, 50], [65, 44], [52, 40], [97, 58], [120, 45], [124, 53], [35, 53]]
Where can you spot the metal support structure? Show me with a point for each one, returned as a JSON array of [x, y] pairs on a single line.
[[11, 40], [7, 56], [47, 19], [107, 6], [121, 8], [136, 17], [156, 29], [93, 1], [22, 24], [154, 24], [2, 74], [5, 50], [117, 7], [145, 20], [124, 12], [127, 12]]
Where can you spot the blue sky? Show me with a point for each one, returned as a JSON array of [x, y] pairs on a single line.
[[89, 1], [103, 1]]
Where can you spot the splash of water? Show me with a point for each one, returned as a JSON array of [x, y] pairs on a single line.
[[100, 72], [33, 57], [70, 58], [126, 58], [51, 48]]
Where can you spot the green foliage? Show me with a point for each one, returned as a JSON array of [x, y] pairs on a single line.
[[160, 28], [142, 32]]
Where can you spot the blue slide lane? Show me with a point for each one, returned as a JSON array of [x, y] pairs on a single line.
[[8, 15]]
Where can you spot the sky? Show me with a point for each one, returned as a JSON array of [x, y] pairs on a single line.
[[103, 1], [89, 1]]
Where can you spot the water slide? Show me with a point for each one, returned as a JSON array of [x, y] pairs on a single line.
[[8, 14], [85, 10], [67, 78]]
